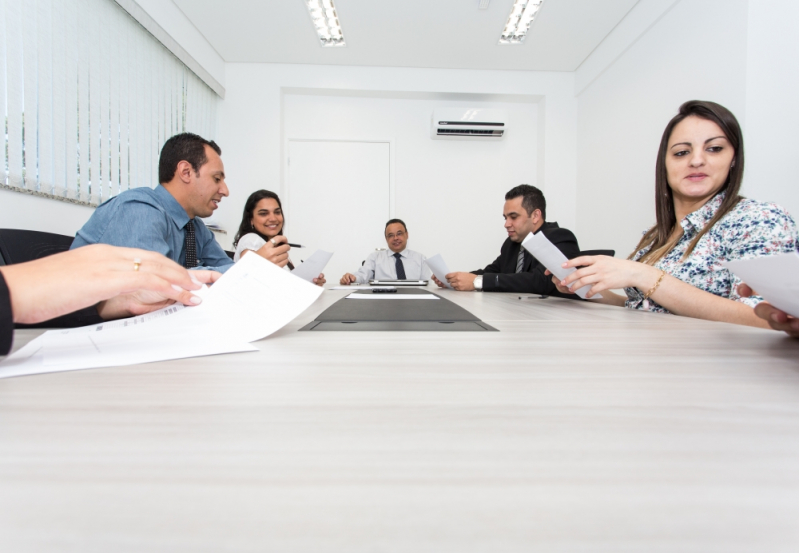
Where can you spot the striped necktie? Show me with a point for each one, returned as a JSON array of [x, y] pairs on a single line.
[[520, 260], [190, 246]]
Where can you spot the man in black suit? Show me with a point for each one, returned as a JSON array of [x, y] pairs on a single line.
[[516, 270]]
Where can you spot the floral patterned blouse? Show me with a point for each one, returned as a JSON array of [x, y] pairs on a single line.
[[750, 229]]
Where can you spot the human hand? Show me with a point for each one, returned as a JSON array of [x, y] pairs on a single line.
[[348, 279], [276, 250], [320, 280], [603, 272], [776, 318], [461, 281], [440, 284], [561, 288], [65, 282], [146, 301]]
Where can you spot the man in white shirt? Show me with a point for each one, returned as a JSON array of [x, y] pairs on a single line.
[[396, 263]]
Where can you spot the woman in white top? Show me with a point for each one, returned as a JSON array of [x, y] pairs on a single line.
[[261, 231]]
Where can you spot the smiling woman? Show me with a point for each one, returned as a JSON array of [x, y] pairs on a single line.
[[261, 231], [702, 221]]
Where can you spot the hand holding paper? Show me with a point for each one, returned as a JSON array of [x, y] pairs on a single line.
[[313, 266], [439, 268], [552, 258], [775, 277]]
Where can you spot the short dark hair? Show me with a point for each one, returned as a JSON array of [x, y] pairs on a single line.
[[532, 199], [183, 147], [392, 221]]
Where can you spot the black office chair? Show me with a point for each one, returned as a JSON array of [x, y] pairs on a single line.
[[19, 246], [231, 255], [609, 253]]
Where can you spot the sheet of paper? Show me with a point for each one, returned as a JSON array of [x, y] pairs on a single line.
[[439, 268], [253, 299], [112, 348], [311, 267], [775, 277], [551, 258], [392, 297], [360, 287]]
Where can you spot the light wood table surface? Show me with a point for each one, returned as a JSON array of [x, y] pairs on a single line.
[[577, 427]]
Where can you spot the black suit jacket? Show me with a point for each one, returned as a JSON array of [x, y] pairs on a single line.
[[501, 275]]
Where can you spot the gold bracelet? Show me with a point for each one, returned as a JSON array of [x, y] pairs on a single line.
[[655, 287]]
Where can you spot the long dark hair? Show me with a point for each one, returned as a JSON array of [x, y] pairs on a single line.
[[657, 238], [246, 225]]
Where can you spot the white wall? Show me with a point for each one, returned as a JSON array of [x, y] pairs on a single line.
[[772, 108], [22, 211], [693, 50], [260, 109], [443, 188]]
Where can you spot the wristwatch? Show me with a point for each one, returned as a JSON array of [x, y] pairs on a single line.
[[478, 283]]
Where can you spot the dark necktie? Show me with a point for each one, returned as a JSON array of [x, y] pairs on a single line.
[[400, 267], [520, 261], [190, 246]]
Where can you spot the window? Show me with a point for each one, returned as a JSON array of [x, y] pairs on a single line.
[[89, 97]]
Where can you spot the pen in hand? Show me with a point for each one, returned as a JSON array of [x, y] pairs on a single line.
[[294, 245]]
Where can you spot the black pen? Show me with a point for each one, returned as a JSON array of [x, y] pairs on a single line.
[[294, 245]]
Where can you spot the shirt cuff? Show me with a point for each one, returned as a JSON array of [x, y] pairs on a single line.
[[6, 318]]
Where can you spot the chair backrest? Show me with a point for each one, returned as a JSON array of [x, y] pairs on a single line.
[[609, 253], [230, 254], [19, 246]]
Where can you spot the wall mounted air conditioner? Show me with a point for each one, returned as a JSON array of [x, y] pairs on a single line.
[[459, 123]]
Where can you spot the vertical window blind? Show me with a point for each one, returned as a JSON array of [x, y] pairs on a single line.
[[88, 98]]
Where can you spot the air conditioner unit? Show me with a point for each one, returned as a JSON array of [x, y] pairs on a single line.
[[459, 123]]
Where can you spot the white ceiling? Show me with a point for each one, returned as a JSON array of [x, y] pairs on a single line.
[[407, 33]]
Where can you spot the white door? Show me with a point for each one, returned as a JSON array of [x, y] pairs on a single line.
[[338, 200]]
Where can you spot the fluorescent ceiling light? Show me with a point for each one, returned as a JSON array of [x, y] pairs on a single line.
[[521, 17], [325, 21]]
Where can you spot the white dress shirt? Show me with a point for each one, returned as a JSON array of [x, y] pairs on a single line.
[[382, 265]]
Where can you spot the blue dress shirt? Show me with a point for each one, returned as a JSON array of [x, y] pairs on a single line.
[[151, 219]]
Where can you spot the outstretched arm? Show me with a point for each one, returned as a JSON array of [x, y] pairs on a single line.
[[607, 273], [53, 286]]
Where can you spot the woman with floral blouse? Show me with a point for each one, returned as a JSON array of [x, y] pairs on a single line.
[[701, 222]]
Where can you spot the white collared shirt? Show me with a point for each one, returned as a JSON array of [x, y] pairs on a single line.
[[382, 265]]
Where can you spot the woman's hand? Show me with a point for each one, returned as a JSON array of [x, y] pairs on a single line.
[[320, 280], [276, 250], [776, 318], [62, 283], [602, 272], [144, 301], [561, 288]]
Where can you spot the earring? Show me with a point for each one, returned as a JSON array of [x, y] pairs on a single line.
[[732, 164]]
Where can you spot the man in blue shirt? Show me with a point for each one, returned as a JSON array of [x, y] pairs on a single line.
[[166, 219]]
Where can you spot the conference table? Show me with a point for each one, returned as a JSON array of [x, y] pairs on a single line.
[[576, 427]]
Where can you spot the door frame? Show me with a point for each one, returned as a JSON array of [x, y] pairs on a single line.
[[285, 192]]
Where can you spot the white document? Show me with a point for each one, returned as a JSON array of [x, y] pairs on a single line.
[[313, 266], [361, 287], [253, 299], [775, 277], [392, 297], [439, 268], [551, 258]]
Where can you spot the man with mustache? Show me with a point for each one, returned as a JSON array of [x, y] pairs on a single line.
[[396, 263]]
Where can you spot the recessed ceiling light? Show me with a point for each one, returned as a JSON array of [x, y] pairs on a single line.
[[325, 21], [521, 17]]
